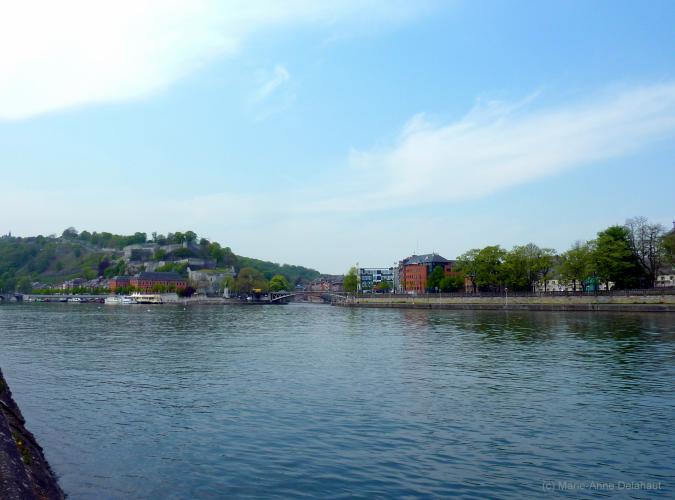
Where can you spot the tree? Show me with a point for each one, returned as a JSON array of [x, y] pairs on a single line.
[[23, 284], [351, 281], [646, 242], [190, 236], [614, 259], [467, 264], [383, 286], [668, 247], [227, 283], [103, 265], [434, 278], [576, 264], [69, 234], [546, 262], [517, 269], [249, 279], [489, 267], [452, 283], [526, 264], [188, 291], [279, 283]]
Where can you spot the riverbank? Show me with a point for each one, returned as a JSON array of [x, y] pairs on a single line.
[[613, 303], [24, 471]]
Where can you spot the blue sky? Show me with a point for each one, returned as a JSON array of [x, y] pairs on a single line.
[[331, 133]]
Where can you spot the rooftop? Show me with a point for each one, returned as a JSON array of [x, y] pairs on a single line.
[[429, 258], [159, 276]]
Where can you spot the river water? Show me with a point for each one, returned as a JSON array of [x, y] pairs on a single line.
[[320, 401]]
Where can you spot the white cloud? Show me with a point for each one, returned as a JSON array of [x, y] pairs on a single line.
[[499, 145], [279, 77], [73, 52], [493, 147], [272, 95]]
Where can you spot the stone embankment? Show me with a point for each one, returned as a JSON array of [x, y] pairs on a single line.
[[615, 303], [24, 471]]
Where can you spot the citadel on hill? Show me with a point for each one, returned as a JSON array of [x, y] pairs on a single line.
[[87, 262]]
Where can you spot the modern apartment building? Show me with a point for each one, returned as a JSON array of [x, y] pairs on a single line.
[[370, 277]]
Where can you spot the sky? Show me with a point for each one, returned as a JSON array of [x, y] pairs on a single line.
[[333, 133]]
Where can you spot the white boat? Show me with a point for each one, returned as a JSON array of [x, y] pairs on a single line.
[[74, 299], [117, 300], [147, 298]]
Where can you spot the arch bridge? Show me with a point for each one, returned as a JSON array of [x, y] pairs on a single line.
[[281, 296], [11, 297]]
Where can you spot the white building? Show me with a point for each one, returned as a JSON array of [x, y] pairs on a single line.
[[369, 277], [665, 276], [211, 281], [565, 286]]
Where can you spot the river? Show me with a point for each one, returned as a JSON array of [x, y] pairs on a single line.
[[321, 401]]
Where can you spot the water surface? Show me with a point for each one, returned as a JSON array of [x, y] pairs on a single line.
[[302, 400]]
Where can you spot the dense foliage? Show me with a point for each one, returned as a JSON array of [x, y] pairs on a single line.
[[294, 274], [627, 256], [351, 281], [279, 283]]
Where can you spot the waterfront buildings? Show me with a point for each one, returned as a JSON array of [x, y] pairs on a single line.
[[370, 277], [555, 285], [119, 282], [154, 281], [414, 271], [665, 277], [211, 281]]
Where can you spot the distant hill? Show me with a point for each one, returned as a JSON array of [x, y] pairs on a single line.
[[53, 259]]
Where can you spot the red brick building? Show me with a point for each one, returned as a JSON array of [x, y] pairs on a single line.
[[119, 282], [415, 270], [152, 282]]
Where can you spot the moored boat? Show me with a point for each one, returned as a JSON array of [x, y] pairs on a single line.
[[117, 300]]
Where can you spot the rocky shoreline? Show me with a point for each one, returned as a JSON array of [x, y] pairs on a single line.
[[25, 473]]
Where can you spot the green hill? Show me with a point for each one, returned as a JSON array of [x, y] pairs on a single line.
[[49, 260]]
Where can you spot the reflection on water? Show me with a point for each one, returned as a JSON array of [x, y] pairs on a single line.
[[173, 402]]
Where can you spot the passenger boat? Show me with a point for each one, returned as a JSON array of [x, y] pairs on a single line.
[[147, 298], [117, 300]]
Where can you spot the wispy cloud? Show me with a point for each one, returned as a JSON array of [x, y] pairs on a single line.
[[61, 54], [279, 77], [493, 147], [498, 145], [272, 95]]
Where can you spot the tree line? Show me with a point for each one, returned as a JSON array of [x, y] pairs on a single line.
[[627, 256]]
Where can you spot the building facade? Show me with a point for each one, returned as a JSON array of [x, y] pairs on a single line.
[[665, 276], [415, 270], [210, 282], [370, 277], [152, 282], [554, 285], [119, 282]]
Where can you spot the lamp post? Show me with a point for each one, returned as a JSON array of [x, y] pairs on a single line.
[[506, 296]]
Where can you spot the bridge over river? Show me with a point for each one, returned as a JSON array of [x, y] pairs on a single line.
[[11, 297], [328, 296]]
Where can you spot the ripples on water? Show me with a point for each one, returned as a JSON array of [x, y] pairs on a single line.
[[210, 402]]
